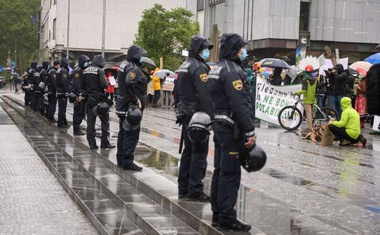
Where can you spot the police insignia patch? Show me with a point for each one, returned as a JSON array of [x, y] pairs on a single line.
[[132, 75], [238, 85], [64, 75], [203, 77], [77, 75]]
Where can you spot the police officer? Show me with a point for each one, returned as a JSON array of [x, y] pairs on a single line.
[[193, 97], [63, 89], [80, 104], [26, 88], [131, 94], [33, 76], [93, 85], [42, 86], [52, 90], [233, 128]]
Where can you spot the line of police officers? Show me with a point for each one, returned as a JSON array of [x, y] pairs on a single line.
[[218, 97]]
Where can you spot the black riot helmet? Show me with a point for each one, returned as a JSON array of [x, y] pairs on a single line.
[[101, 109], [132, 119], [73, 97], [253, 159], [198, 130]]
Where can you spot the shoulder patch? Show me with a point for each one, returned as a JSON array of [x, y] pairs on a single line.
[[203, 77], [64, 75], [76, 75], [132, 75], [238, 85]]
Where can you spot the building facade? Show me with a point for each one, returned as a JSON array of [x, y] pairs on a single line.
[[276, 27], [76, 26]]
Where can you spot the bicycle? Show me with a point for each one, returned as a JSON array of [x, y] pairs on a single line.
[[290, 117]]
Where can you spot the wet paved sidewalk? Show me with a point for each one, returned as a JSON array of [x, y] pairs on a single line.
[[32, 201], [303, 189]]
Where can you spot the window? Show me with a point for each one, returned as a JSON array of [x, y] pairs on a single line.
[[200, 5], [54, 28], [304, 16]]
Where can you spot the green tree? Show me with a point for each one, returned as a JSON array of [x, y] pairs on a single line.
[[16, 29], [164, 33]]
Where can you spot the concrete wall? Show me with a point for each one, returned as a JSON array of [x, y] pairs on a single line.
[[122, 19]]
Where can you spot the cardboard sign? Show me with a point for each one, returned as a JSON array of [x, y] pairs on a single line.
[[328, 137], [168, 87]]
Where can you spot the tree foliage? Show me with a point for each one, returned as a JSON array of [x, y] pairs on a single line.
[[16, 30], [164, 33]]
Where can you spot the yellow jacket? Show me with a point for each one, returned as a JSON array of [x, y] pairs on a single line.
[[156, 83]]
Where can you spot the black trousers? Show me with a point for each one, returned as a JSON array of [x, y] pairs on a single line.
[[340, 133], [33, 100], [227, 174], [79, 113], [51, 108], [156, 97], [90, 131], [40, 103], [62, 106], [192, 168], [27, 98], [126, 145]]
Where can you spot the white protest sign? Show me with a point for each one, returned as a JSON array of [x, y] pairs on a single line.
[[112, 80], [271, 99], [376, 123]]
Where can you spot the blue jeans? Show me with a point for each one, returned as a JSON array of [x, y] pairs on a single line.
[[338, 108], [331, 101]]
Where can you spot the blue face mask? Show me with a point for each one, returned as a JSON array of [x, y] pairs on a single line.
[[243, 55], [205, 54], [85, 64], [140, 60]]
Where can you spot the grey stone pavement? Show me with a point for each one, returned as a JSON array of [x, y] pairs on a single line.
[[303, 189], [32, 201]]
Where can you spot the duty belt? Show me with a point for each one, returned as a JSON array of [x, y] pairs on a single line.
[[223, 117]]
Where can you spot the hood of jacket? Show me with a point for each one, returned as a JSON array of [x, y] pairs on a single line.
[[135, 53], [197, 44], [65, 63], [99, 61], [339, 68], [345, 103], [45, 65], [34, 64], [82, 59], [230, 45]]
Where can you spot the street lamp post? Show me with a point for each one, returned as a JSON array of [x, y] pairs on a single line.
[[68, 29], [104, 28]]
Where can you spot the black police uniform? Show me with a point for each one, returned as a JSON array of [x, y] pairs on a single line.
[[63, 83], [193, 97], [26, 88], [43, 76], [52, 91], [79, 108], [229, 90], [93, 85], [33, 75], [132, 89]]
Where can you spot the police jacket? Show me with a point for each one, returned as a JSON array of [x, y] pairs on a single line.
[[63, 81], [25, 83], [33, 75], [94, 81], [77, 75], [192, 90], [132, 82], [229, 89], [51, 81]]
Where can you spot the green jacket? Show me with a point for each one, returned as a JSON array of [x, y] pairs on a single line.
[[350, 119], [309, 90]]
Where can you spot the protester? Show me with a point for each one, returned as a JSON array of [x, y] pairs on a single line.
[[156, 83], [321, 92], [347, 129], [167, 90], [110, 88], [361, 99], [275, 78], [330, 86], [372, 90], [340, 82]]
